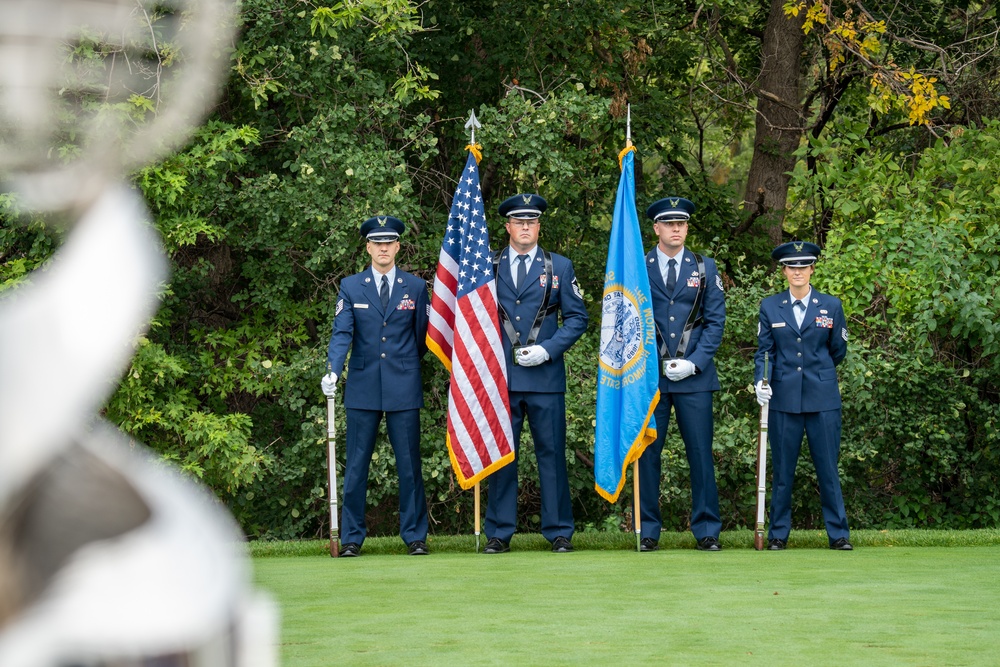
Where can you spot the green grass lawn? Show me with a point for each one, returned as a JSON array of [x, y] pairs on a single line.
[[908, 604]]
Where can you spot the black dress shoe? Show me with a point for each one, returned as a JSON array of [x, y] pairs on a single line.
[[495, 545], [776, 545], [350, 550], [709, 544], [841, 544], [648, 544], [561, 545], [418, 548]]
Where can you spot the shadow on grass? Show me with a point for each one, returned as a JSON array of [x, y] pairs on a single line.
[[594, 541]]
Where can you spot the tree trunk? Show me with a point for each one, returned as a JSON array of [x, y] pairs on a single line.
[[779, 122]]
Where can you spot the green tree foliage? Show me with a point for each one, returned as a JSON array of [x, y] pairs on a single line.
[[336, 112]]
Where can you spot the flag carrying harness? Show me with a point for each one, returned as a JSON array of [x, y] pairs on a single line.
[[694, 317], [544, 310]]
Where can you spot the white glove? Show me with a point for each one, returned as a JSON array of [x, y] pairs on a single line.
[[678, 369], [763, 392], [329, 384], [532, 355]]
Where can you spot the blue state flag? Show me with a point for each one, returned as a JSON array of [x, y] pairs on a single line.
[[628, 377]]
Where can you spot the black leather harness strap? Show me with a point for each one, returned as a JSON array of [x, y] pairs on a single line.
[[544, 310], [694, 318]]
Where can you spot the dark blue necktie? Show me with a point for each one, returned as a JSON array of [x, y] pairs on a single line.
[[383, 292], [796, 306], [671, 276], [522, 270]]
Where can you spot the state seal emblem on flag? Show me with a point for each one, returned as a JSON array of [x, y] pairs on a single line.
[[621, 331]]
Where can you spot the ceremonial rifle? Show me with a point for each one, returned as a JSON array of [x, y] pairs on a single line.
[[331, 464], [758, 538]]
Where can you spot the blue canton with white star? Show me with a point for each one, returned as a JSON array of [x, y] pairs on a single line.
[[467, 238]]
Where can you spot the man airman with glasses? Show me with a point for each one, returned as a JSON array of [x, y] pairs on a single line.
[[533, 287]]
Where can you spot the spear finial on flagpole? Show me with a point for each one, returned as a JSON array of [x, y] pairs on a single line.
[[471, 125], [628, 136], [628, 125]]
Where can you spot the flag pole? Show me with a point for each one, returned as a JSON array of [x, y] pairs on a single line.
[[471, 125], [477, 517], [635, 464], [635, 504]]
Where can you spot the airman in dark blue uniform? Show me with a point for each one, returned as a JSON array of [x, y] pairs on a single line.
[[689, 307], [804, 333], [534, 287], [381, 318]]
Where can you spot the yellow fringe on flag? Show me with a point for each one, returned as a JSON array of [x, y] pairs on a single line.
[[621, 156], [645, 438], [467, 484], [477, 151]]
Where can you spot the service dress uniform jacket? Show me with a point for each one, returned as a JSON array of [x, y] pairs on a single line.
[[521, 305], [690, 398], [383, 378], [538, 392], [802, 364], [671, 311], [386, 347], [805, 399]]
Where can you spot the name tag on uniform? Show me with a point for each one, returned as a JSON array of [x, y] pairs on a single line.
[[777, 325], [406, 304], [824, 322], [361, 305]]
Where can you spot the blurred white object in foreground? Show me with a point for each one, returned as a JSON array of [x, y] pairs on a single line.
[[108, 557]]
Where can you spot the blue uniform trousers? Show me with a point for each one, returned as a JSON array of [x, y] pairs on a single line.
[[546, 413], [694, 421], [785, 431], [403, 427]]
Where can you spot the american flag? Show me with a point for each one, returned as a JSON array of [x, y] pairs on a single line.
[[464, 333]]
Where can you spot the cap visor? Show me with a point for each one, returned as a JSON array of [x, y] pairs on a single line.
[[524, 213]]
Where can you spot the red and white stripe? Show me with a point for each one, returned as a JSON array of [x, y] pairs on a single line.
[[441, 325], [479, 428]]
